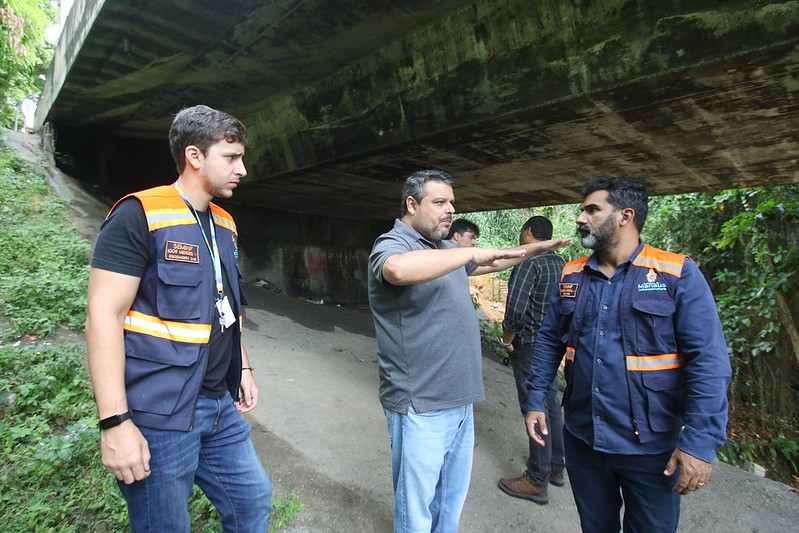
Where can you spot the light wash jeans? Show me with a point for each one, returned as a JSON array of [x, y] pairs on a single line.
[[216, 454], [431, 465]]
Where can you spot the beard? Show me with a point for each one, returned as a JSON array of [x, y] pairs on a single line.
[[438, 234], [435, 232], [598, 239]]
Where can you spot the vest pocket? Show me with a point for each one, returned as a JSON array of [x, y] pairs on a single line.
[[155, 378], [177, 297], [654, 326], [665, 399]]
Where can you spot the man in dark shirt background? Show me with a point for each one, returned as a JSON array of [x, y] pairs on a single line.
[[529, 291]]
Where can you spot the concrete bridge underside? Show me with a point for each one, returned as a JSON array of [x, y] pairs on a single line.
[[520, 101]]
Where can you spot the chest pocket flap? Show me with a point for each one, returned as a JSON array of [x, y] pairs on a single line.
[[654, 326], [177, 297]]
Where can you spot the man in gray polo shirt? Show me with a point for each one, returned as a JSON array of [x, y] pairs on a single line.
[[428, 346]]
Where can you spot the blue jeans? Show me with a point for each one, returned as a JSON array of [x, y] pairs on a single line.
[[216, 454], [431, 464], [602, 481], [543, 460]]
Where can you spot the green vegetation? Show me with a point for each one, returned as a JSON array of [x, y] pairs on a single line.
[[43, 260], [25, 54], [746, 242], [283, 510], [52, 478]]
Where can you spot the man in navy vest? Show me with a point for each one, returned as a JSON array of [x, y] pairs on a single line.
[[646, 369], [163, 327]]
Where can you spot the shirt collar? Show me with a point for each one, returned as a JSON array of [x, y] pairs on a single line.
[[593, 262], [407, 231]]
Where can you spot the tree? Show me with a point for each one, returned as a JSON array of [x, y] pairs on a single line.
[[25, 55]]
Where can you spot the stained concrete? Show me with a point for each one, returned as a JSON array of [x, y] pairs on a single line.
[[521, 101]]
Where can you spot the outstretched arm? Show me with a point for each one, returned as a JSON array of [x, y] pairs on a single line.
[[421, 266], [529, 250]]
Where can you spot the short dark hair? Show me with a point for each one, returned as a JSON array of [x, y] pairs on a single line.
[[202, 126], [623, 193], [415, 185], [461, 226], [540, 226]]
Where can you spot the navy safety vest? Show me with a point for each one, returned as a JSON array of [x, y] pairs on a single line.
[[655, 379], [168, 328]]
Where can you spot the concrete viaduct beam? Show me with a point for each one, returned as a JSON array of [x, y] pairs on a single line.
[[520, 101]]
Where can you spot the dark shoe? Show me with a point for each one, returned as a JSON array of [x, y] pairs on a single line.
[[523, 487], [557, 479]]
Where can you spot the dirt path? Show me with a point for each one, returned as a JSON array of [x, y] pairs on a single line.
[[323, 434]]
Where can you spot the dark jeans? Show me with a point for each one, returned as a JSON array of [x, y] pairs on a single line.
[[549, 458], [602, 481]]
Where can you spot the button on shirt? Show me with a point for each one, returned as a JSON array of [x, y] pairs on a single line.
[[600, 412]]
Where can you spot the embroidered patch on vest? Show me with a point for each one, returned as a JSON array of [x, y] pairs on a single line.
[[568, 290], [652, 284], [180, 251]]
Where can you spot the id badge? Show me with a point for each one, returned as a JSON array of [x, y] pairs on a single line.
[[226, 316]]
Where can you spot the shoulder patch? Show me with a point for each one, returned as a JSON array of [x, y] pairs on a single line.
[[568, 290]]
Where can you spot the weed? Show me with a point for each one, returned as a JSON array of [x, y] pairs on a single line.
[[490, 333], [283, 510]]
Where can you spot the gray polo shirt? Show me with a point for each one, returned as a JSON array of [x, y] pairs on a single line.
[[428, 336]]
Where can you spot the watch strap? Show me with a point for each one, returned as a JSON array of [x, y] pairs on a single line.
[[113, 421]]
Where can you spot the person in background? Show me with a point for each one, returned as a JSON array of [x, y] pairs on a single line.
[[529, 292], [646, 369], [463, 232], [28, 110], [429, 353], [170, 375]]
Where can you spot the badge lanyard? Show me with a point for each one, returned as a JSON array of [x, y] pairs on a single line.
[[214, 251]]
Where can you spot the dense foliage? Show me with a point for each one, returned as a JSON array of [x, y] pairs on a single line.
[[52, 479], [25, 54], [746, 242], [43, 265]]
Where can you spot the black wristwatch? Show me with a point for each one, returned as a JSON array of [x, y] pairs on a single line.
[[112, 421]]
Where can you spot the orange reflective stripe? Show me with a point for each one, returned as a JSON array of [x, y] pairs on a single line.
[[167, 329], [648, 363], [569, 354], [164, 218], [661, 260], [573, 267], [223, 219]]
